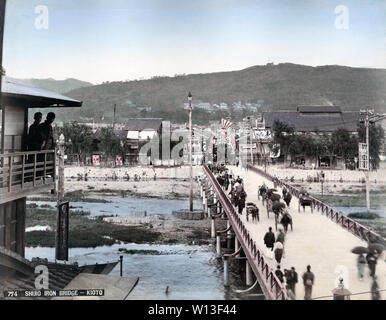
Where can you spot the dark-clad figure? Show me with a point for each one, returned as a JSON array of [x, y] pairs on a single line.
[[33, 139], [269, 239], [47, 142], [287, 199], [372, 262], [285, 221], [375, 294], [46, 132], [308, 281], [292, 280], [279, 274], [242, 200]]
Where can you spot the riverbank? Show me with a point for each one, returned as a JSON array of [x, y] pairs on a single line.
[[166, 183], [86, 231], [356, 176]]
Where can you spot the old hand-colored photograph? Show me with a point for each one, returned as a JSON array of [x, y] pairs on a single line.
[[193, 157]]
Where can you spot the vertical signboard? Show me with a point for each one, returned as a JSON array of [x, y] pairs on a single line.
[[363, 156], [62, 232]]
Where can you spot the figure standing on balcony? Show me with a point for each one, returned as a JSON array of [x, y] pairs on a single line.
[[47, 142], [33, 133], [47, 133]]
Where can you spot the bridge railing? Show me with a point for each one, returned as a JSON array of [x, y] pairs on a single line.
[[258, 261], [356, 228]]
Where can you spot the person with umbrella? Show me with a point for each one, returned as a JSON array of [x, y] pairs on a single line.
[[371, 259], [361, 264], [361, 260], [286, 220]]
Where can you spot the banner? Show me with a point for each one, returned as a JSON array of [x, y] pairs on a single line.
[[96, 159], [118, 161]]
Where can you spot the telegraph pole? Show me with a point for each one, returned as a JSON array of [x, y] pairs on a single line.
[[370, 117], [190, 152], [115, 110], [368, 162]]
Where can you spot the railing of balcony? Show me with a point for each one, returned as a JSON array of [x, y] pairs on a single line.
[[21, 171]]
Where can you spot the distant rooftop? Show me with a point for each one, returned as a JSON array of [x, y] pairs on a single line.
[[17, 94], [315, 118], [140, 124], [319, 109]]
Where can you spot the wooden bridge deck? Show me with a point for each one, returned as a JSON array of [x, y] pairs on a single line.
[[316, 241]]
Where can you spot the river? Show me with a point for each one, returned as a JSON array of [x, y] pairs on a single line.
[[190, 272]]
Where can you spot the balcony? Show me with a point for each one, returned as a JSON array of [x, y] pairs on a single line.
[[26, 173]]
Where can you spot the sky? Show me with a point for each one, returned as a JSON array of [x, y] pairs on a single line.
[[118, 40]]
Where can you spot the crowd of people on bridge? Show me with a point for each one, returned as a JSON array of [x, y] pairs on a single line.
[[237, 192], [276, 243]]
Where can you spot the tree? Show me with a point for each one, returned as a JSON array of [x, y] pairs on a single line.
[[79, 138], [344, 144], [282, 136], [111, 145], [377, 138]]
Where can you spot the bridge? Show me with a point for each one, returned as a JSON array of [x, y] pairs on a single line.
[[322, 238]]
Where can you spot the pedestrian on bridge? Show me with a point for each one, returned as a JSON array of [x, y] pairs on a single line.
[[278, 251], [308, 281], [361, 264], [269, 239], [372, 262], [242, 200], [281, 236], [375, 294], [291, 280], [279, 274]]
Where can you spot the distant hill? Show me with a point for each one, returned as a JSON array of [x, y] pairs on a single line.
[[282, 86], [60, 86]]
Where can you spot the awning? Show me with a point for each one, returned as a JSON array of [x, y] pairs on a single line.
[[17, 94]]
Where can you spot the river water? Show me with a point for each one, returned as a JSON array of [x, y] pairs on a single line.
[[190, 272]]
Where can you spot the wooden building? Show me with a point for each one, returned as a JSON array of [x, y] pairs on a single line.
[[316, 121], [22, 172], [139, 132]]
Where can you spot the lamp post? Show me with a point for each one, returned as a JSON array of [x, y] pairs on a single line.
[[190, 97]]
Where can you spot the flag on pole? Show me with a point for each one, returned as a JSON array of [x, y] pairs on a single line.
[[225, 124]]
